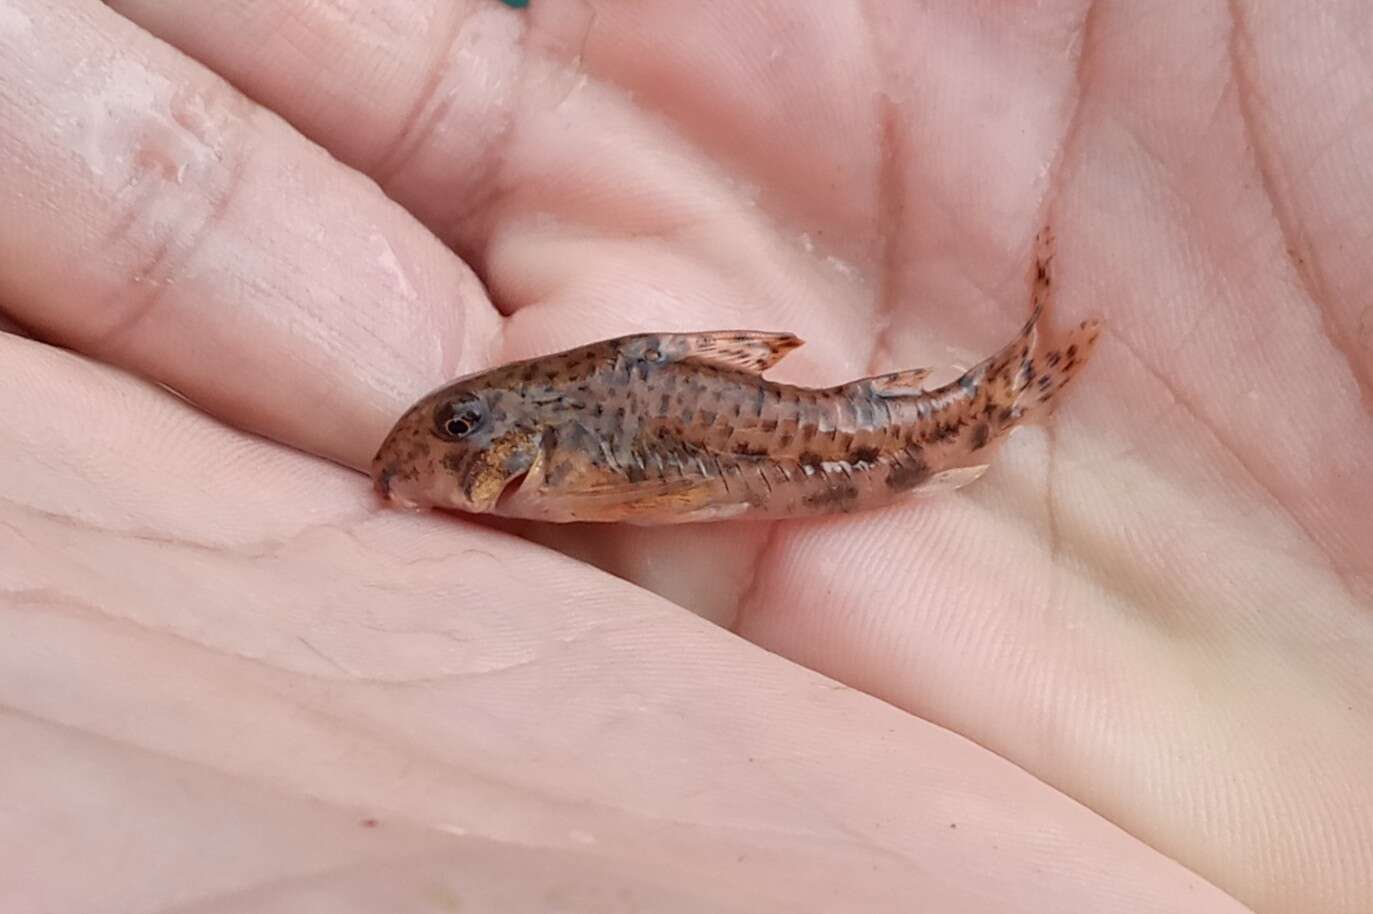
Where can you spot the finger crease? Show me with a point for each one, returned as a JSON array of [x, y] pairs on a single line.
[[174, 243]]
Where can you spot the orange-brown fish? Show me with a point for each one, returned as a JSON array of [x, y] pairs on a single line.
[[663, 428]]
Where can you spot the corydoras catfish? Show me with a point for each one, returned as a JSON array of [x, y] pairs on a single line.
[[664, 428]]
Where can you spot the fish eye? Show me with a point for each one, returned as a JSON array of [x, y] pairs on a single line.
[[457, 419]]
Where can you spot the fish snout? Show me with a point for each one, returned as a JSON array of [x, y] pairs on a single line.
[[384, 476], [386, 470], [397, 490]]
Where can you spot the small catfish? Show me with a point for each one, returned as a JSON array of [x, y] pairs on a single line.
[[666, 428]]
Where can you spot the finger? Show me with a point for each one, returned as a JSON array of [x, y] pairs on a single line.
[[157, 219], [467, 99], [507, 133], [418, 95], [456, 680]]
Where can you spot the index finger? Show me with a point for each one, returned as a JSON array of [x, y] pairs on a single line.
[[159, 220]]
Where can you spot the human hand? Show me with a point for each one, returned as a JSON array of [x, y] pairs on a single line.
[[1156, 604]]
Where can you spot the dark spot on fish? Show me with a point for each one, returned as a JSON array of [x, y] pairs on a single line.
[[832, 497], [864, 455], [907, 473], [980, 435], [809, 459], [767, 426], [558, 473], [1072, 351], [1006, 415], [1044, 381], [707, 417], [785, 440], [968, 383], [744, 449], [599, 410], [761, 398], [635, 473], [663, 402], [1054, 358], [453, 461], [738, 409]]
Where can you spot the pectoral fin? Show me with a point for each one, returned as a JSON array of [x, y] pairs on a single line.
[[567, 485]]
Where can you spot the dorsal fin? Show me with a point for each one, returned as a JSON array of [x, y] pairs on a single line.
[[753, 351]]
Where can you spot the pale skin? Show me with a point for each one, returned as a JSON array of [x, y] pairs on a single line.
[[1130, 669]]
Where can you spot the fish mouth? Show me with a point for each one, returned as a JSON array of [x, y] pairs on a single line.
[[392, 491]]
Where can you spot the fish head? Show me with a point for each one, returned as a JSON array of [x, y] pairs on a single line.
[[461, 447]]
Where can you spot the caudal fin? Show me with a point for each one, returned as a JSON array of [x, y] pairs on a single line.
[[959, 423], [1048, 373], [1024, 378]]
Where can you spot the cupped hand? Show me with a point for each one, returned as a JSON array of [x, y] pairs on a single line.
[[1128, 670]]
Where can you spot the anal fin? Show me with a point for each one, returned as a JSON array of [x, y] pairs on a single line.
[[949, 480]]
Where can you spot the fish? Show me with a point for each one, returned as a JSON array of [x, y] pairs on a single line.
[[667, 428]]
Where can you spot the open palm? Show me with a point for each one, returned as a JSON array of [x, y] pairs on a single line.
[[1131, 669]]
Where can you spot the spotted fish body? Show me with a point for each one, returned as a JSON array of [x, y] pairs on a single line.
[[665, 428]]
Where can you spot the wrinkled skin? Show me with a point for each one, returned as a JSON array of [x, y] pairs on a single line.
[[1151, 620]]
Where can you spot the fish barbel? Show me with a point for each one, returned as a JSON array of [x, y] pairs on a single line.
[[663, 428]]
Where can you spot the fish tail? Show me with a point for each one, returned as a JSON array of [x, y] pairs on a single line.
[[1022, 384], [1023, 380], [978, 411], [962, 422]]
